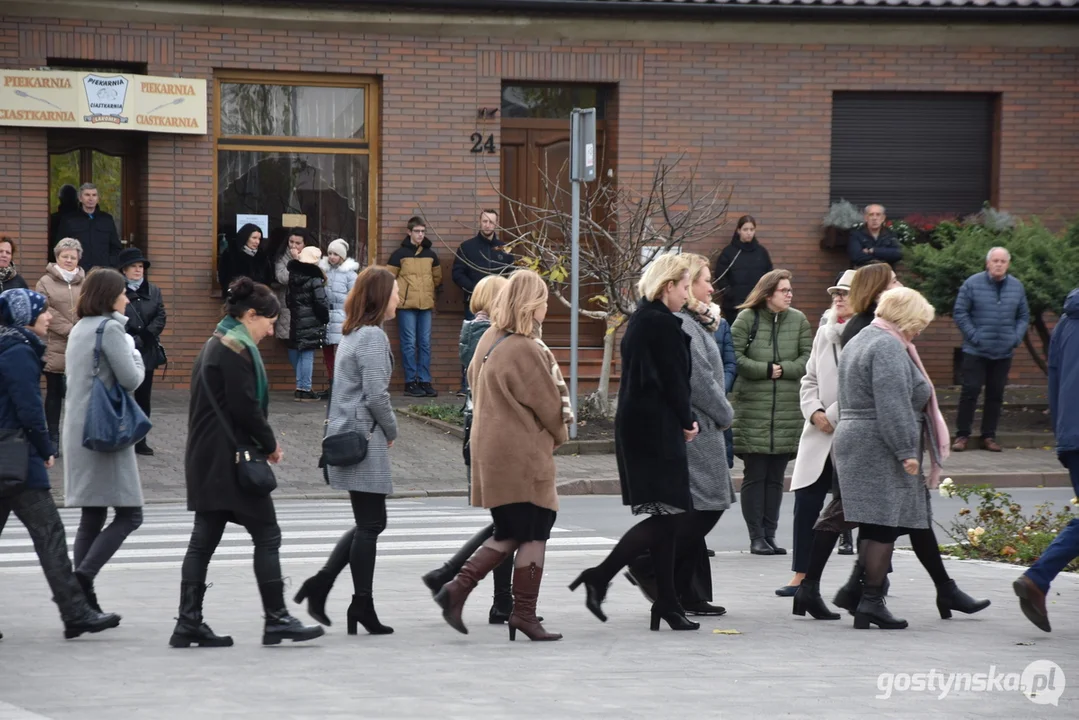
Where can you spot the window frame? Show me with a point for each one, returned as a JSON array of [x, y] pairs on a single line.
[[289, 144]]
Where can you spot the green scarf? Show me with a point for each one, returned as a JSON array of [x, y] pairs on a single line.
[[235, 337]]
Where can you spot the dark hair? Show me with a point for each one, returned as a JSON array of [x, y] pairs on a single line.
[[9, 241], [245, 294], [244, 234], [414, 221], [745, 219], [300, 232], [99, 292], [868, 283], [366, 303], [489, 211], [68, 197]]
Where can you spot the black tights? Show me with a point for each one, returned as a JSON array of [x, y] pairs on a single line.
[[693, 527], [655, 535], [369, 509]]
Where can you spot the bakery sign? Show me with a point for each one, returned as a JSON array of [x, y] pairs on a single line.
[[81, 99]]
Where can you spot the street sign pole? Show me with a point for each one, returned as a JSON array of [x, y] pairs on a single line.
[[582, 169]]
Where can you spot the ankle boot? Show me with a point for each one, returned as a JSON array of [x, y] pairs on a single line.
[[87, 585], [807, 599], [675, 618], [362, 611], [451, 598], [846, 543], [850, 594], [502, 606], [872, 611], [315, 590], [88, 620], [950, 597], [595, 592], [190, 629], [279, 624], [435, 579], [526, 585]]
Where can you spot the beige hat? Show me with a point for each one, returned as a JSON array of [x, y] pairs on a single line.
[[310, 255], [844, 282]]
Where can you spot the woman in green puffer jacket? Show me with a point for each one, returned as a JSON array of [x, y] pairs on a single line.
[[772, 342]]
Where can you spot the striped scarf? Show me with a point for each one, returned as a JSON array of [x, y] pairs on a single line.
[[559, 381]]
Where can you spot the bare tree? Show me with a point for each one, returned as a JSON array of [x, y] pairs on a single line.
[[622, 229]]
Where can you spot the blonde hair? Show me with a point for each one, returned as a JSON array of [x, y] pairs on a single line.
[[907, 308], [515, 307], [485, 292], [667, 268], [765, 288], [697, 265]]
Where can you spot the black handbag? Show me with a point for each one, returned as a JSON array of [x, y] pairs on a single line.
[[253, 472], [345, 448], [14, 462]]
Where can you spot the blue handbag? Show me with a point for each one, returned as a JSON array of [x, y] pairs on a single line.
[[114, 421]]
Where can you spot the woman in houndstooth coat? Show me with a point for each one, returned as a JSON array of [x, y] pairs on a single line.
[[361, 402]]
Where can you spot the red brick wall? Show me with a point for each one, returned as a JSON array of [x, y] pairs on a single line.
[[757, 115]]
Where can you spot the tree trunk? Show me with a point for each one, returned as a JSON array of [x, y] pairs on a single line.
[[601, 398]]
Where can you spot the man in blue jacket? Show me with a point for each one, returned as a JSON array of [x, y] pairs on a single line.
[[1033, 585], [991, 312], [873, 242]]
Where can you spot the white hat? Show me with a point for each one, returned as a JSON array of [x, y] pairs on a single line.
[[310, 255], [339, 248], [844, 282]]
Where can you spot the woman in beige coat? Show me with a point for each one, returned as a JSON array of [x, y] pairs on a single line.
[[61, 285], [520, 411]]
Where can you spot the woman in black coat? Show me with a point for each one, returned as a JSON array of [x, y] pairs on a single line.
[[740, 266], [653, 423], [9, 274], [145, 322], [228, 409], [309, 308], [245, 256]]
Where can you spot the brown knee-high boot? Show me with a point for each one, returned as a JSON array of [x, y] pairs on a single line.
[[453, 594], [526, 585]]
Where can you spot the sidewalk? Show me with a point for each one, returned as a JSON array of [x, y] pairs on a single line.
[[427, 462]]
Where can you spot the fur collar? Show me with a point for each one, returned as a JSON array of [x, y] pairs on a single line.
[[349, 265], [833, 329]]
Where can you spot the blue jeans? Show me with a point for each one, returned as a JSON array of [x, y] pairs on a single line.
[[415, 329], [1065, 547], [303, 362]]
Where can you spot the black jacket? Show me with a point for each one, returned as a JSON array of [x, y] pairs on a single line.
[[477, 258], [653, 409], [209, 460], [738, 269], [308, 306], [145, 320], [15, 281], [857, 324], [885, 247], [100, 241], [234, 263]]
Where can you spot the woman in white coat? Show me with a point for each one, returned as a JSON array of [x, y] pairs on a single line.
[[813, 473]]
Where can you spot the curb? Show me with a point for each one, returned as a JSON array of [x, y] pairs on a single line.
[[449, 429]]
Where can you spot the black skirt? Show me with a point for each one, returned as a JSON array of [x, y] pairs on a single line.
[[523, 522]]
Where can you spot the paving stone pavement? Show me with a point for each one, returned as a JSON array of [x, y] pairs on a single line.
[[777, 665], [426, 461]]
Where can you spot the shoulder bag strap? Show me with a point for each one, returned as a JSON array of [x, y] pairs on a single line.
[[326, 422], [213, 401], [97, 345], [753, 330], [492, 349]]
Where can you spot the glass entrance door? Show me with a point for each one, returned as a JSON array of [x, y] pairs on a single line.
[[86, 165]]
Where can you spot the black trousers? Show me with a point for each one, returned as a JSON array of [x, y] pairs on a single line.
[[808, 502], [369, 510], [206, 535], [55, 391], [142, 392], [976, 372], [762, 493]]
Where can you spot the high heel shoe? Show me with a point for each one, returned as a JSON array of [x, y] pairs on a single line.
[[807, 599], [362, 611], [950, 597], [594, 593], [315, 590], [526, 584], [674, 618]]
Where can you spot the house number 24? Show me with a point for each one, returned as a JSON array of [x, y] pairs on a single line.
[[480, 145]]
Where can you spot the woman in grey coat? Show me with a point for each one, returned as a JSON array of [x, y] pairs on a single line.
[[889, 418], [96, 481], [361, 402]]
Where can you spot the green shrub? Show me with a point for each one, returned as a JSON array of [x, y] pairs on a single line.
[[446, 412]]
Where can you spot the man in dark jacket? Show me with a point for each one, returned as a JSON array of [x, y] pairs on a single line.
[[991, 312], [94, 228], [873, 242], [481, 256], [1033, 585]]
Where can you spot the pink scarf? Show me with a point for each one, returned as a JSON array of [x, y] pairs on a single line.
[[940, 427]]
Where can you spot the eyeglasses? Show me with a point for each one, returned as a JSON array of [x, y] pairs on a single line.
[[785, 291], [840, 293]]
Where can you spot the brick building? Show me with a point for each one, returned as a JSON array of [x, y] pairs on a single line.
[[357, 115]]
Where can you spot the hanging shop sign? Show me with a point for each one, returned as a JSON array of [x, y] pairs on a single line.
[[85, 99]]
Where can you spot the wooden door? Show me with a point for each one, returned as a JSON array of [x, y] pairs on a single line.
[[535, 151]]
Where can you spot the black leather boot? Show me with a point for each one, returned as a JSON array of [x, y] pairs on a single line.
[[675, 618], [872, 611], [807, 599], [760, 546], [87, 620], [502, 606], [435, 579], [362, 611], [279, 624], [850, 594], [846, 543], [190, 629], [950, 597], [315, 590], [87, 585]]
